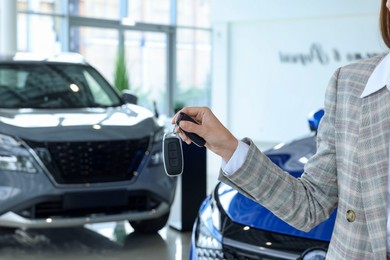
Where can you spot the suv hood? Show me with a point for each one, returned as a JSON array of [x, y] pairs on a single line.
[[84, 124]]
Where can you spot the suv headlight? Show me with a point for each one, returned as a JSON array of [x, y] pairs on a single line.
[[156, 158], [159, 135], [14, 157]]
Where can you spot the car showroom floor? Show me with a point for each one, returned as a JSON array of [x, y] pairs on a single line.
[[106, 241], [111, 241]]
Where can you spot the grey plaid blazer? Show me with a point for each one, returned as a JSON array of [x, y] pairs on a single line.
[[349, 170]]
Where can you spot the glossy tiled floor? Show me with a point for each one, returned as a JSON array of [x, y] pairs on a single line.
[[108, 241], [111, 241]]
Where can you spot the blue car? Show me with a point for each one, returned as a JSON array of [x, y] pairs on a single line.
[[232, 226]]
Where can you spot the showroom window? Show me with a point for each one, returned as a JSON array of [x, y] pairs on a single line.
[[193, 13], [97, 45], [167, 43], [193, 48], [106, 9], [150, 11], [147, 59]]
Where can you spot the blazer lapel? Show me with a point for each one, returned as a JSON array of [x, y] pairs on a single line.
[[373, 147]]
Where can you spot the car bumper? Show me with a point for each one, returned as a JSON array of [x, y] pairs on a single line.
[[13, 220], [34, 201]]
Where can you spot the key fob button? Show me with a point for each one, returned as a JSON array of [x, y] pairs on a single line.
[[174, 162], [172, 155]]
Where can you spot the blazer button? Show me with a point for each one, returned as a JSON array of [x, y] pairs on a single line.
[[351, 216]]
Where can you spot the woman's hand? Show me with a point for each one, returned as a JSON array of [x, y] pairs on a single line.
[[218, 139]]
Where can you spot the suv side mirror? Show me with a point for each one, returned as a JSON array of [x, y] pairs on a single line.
[[128, 97], [314, 119]]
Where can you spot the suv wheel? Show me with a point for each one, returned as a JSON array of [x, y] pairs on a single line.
[[150, 225]]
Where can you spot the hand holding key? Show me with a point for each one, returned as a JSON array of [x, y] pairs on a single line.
[[196, 139], [207, 126]]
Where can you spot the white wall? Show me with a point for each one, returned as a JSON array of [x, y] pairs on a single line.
[[272, 59]]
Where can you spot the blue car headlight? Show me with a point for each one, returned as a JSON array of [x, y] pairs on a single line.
[[14, 157], [208, 237], [317, 253]]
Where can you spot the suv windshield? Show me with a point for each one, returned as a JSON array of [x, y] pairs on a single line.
[[54, 85]]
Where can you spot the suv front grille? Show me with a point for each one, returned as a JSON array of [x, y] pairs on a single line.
[[92, 161]]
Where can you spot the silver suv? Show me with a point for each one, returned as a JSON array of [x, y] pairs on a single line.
[[73, 152]]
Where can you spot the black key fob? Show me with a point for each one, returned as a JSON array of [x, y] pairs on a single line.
[[172, 155], [196, 139]]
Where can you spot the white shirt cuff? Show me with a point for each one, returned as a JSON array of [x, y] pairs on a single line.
[[237, 159]]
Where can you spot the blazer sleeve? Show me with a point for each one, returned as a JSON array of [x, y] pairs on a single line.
[[304, 202]]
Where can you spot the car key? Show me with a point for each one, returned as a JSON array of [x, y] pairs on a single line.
[[172, 154], [196, 139]]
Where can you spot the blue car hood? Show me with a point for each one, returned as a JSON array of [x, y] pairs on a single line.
[[245, 211]]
